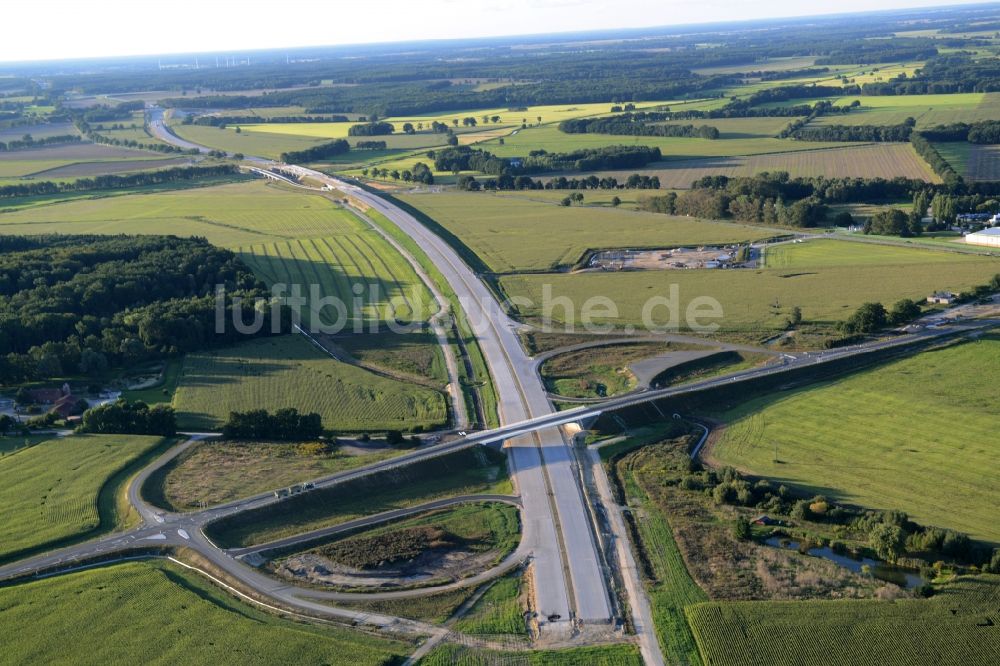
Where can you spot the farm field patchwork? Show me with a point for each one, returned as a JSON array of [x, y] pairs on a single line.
[[262, 144], [227, 215], [917, 435], [338, 266], [514, 234], [876, 160], [752, 300], [548, 137], [117, 614], [34, 162], [287, 371], [952, 627], [50, 491]]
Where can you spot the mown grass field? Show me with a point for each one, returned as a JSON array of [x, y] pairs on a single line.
[[917, 435], [155, 613], [261, 144], [214, 472], [468, 472], [349, 267], [822, 253], [751, 300], [287, 371], [955, 626], [515, 234], [927, 110], [50, 491], [227, 215], [972, 161], [885, 160]]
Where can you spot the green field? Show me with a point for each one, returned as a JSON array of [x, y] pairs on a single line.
[[414, 355], [513, 234], [273, 373], [825, 253], [955, 626], [58, 489], [338, 266], [927, 110], [227, 215], [874, 160], [261, 144], [153, 613], [972, 161], [214, 472], [548, 137], [499, 611], [917, 435], [467, 472], [759, 299]]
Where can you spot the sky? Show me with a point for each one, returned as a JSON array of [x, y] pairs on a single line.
[[58, 29]]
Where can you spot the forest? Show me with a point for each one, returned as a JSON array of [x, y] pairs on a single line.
[[84, 304]]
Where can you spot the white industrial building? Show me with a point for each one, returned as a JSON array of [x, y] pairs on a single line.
[[989, 237]]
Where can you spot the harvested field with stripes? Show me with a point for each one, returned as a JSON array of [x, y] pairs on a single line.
[[360, 270]]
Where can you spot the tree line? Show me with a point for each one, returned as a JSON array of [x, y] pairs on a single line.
[[28, 142], [420, 173], [284, 425], [984, 132], [374, 128], [130, 418], [464, 158], [509, 182], [86, 304], [118, 182], [635, 124], [320, 152], [224, 121], [872, 133]]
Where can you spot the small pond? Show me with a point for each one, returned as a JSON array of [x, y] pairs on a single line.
[[902, 577]]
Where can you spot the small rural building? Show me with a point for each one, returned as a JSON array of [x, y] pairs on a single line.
[[764, 519], [942, 298], [988, 237]]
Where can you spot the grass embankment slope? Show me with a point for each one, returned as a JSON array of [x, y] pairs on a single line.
[[213, 472], [287, 371], [468, 472], [475, 527], [153, 613], [917, 435], [828, 283], [510, 234], [59, 489]]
